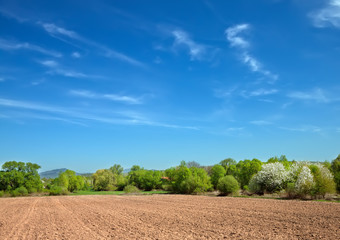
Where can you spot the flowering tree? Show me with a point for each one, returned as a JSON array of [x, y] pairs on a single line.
[[272, 177]]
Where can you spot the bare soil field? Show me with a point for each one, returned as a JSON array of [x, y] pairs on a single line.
[[166, 217]]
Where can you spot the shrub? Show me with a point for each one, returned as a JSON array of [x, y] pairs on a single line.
[[217, 172], [336, 172], [324, 182], [228, 185], [188, 180], [131, 189], [20, 191], [1, 193], [57, 190], [32, 190], [290, 190]]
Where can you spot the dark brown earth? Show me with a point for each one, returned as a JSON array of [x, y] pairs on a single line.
[[166, 217]]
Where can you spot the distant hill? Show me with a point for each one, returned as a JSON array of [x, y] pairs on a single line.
[[52, 173], [55, 173]]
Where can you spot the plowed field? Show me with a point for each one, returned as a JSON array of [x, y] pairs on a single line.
[[166, 217]]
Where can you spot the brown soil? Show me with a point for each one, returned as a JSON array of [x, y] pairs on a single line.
[[166, 217]]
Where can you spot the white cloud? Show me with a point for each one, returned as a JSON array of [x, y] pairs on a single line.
[[317, 95], [112, 97], [58, 32], [233, 35], [327, 16], [11, 46], [76, 55], [196, 51]]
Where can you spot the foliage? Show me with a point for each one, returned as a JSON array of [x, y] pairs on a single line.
[[145, 179], [103, 180], [58, 190], [2, 193], [70, 181], [323, 178], [188, 180], [117, 169], [336, 172], [304, 183], [19, 174], [245, 170], [282, 159], [131, 189], [217, 172], [227, 185], [193, 164], [20, 191], [271, 178], [230, 165]]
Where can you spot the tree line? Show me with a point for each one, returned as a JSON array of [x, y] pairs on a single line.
[[294, 178]]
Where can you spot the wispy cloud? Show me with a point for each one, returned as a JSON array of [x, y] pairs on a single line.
[[55, 68], [261, 122], [259, 92], [12, 46], [236, 40], [317, 95], [76, 55], [233, 37], [9, 14], [196, 51], [306, 128], [59, 32], [76, 115], [329, 16], [112, 97], [49, 63]]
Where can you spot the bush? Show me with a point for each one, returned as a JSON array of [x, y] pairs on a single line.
[[57, 190], [290, 190], [32, 190], [188, 180], [324, 182], [20, 191], [2, 193], [217, 172], [227, 185], [131, 189]]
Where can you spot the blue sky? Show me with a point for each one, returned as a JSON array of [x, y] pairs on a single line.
[[87, 84]]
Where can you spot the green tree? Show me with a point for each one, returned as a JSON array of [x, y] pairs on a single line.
[[229, 164], [19, 174], [217, 172], [103, 180], [188, 180], [246, 169], [336, 172], [117, 169]]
